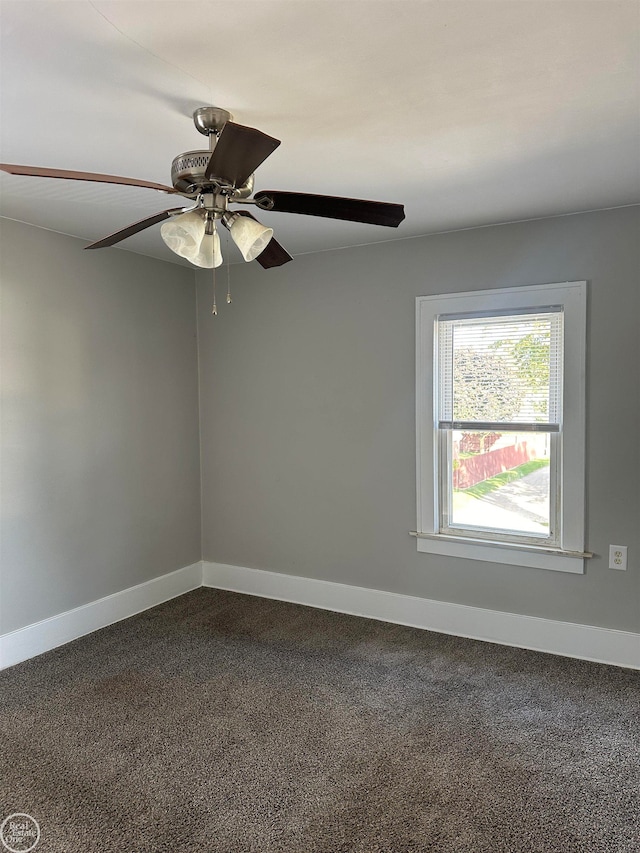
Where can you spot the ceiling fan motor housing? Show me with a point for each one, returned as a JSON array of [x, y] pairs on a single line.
[[188, 177], [187, 172]]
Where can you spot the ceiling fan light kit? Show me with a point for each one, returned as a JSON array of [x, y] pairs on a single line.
[[215, 178]]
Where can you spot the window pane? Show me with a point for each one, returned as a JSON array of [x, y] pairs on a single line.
[[501, 369], [500, 481]]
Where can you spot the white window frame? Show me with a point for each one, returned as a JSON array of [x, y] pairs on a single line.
[[569, 554]]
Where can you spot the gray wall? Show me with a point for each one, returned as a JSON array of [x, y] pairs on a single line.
[[100, 475], [307, 414], [307, 417]]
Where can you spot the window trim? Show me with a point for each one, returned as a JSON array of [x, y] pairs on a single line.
[[569, 556]]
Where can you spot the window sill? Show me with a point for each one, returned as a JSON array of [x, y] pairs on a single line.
[[502, 552]]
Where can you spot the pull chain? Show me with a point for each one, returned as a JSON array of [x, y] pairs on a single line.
[[228, 280], [214, 309]]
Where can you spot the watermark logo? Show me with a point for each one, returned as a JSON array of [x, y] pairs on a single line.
[[19, 833]]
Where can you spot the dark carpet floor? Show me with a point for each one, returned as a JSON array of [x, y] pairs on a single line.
[[228, 724]]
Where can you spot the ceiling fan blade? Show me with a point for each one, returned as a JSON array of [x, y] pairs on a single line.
[[332, 207], [274, 255], [37, 172], [117, 236], [238, 153]]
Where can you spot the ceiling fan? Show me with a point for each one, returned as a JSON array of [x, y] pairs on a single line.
[[216, 178]]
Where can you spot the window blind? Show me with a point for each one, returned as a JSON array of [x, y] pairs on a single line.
[[501, 372]]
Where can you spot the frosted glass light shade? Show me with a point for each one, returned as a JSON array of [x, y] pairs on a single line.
[[183, 234], [249, 236], [209, 254], [186, 236]]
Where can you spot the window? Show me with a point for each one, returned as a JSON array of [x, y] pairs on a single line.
[[500, 425]]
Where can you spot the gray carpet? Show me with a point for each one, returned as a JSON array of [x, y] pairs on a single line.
[[228, 724]]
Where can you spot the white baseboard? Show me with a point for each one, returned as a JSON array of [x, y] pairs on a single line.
[[50, 633], [587, 642]]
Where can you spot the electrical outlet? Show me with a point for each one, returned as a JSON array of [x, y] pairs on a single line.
[[618, 557]]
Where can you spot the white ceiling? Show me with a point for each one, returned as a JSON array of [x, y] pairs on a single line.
[[469, 113]]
